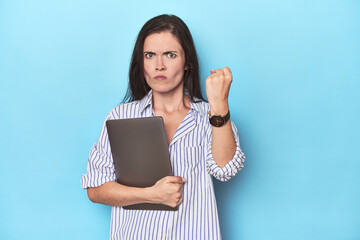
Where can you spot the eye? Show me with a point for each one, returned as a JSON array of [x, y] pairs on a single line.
[[149, 55], [171, 55]]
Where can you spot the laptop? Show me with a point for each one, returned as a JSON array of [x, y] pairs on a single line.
[[141, 156]]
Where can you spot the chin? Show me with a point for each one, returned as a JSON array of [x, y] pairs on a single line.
[[166, 88], [162, 90]]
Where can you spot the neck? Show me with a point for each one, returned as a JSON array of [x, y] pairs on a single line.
[[170, 102]]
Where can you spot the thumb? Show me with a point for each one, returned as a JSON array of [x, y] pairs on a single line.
[[176, 179], [227, 72]]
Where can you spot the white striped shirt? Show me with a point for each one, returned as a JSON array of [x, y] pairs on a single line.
[[191, 158]]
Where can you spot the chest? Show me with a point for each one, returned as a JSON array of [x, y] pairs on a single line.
[[172, 123]]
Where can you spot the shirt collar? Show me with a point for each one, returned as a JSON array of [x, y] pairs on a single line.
[[146, 101], [198, 107], [195, 107]]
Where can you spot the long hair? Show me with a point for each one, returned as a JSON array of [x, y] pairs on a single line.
[[138, 87]]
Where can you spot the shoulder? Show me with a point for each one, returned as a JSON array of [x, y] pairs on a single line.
[[124, 110], [201, 106]]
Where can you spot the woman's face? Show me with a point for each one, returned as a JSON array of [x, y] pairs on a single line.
[[164, 63]]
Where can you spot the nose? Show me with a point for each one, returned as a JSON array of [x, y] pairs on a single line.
[[160, 66]]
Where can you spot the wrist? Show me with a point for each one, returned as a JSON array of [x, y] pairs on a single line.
[[219, 120], [219, 109], [151, 195], [148, 195]]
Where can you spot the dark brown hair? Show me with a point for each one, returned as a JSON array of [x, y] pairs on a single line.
[[138, 87]]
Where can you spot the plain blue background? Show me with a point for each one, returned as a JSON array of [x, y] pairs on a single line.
[[295, 100]]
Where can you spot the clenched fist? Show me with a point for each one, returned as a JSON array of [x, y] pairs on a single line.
[[168, 190], [217, 90]]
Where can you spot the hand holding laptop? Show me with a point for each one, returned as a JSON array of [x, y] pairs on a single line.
[[168, 190]]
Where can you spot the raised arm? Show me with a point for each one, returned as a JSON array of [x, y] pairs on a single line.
[[223, 143]]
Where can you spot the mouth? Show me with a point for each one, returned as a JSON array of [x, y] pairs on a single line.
[[160, 77]]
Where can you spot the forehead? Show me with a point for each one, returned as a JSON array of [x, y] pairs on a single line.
[[164, 41]]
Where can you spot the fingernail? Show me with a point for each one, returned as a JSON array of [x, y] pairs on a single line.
[[184, 179]]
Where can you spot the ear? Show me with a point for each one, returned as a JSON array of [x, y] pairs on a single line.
[[186, 68]]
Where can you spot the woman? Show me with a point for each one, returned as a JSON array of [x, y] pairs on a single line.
[[164, 81]]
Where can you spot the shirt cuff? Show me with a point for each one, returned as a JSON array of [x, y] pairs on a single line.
[[231, 168], [95, 179], [99, 170]]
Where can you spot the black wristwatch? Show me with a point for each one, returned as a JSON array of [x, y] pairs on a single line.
[[217, 120]]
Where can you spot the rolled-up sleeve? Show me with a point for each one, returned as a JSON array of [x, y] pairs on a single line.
[[100, 168], [232, 167]]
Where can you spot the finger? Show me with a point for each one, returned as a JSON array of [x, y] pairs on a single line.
[[180, 189], [179, 196], [175, 188], [218, 75], [219, 72], [172, 204], [227, 72], [176, 179]]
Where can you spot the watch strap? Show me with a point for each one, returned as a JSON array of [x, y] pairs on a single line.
[[216, 124], [227, 117]]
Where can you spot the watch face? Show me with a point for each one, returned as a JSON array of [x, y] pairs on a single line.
[[217, 121]]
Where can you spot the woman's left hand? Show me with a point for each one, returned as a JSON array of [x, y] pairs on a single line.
[[217, 90]]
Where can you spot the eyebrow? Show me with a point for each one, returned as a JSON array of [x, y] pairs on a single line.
[[170, 51]]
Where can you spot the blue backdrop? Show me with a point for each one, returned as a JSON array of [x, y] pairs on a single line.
[[295, 100]]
